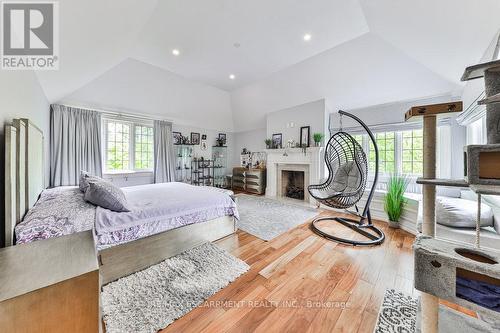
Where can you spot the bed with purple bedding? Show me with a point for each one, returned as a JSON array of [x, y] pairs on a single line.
[[154, 208]]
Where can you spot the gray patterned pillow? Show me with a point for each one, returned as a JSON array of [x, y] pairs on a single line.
[[85, 177], [107, 195]]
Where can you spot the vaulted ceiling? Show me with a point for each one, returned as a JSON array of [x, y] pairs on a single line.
[[360, 52]]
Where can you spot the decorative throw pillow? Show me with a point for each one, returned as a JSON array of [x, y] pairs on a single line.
[[85, 177], [107, 195], [461, 213]]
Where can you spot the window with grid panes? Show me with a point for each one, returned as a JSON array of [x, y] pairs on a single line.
[[143, 147], [412, 156], [386, 143], [129, 146]]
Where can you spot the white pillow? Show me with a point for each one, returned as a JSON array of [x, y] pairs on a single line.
[[461, 213]]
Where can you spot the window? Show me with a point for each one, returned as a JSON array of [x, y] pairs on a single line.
[[399, 152], [412, 158], [386, 143], [143, 147], [129, 146]]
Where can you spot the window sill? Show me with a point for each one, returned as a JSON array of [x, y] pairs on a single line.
[[127, 173]]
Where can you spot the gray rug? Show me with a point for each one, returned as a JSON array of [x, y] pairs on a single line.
[[150, 300], [401, 313], [267, 218]]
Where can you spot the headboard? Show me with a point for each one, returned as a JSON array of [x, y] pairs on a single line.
[[24, 172]]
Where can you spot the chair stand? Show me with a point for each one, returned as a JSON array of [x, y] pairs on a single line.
[[359, 226]]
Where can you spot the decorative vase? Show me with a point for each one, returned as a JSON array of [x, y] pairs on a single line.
[[394, 224], [316, 144]]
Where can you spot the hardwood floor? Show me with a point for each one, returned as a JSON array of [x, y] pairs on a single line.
[[300, 282]]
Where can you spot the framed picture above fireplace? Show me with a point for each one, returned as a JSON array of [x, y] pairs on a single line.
[[277, 140], [305, 135]]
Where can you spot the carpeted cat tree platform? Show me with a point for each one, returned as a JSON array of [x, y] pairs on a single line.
[[463, 274]]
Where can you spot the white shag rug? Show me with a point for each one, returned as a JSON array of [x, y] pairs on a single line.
[[150, 300], [268, 218]]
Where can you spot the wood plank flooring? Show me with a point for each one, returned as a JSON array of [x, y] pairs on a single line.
[[300, 282]]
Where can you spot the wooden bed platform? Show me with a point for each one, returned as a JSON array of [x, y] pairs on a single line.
[[24, 181]]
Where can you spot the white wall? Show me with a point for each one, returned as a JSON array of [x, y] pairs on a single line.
[[21, 96], [136, 87], [251, 140], [309, 114]]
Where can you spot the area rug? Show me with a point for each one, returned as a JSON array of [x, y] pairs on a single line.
[[398, 313], [150, 300], [268, 218], [401, 313]]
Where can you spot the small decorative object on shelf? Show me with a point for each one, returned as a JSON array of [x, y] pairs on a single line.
[[277, 140], [245, 158], [177, 138], [268, 143], [195, 138], [305, 136], [317, 139]]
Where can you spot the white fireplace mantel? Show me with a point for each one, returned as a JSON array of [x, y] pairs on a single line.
[[313, 158]]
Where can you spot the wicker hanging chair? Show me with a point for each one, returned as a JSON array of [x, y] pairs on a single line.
[[346, 183]]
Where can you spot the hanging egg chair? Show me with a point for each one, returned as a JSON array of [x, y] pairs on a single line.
[[346, 183]]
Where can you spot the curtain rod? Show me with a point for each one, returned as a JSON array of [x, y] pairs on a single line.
[[119, 113]]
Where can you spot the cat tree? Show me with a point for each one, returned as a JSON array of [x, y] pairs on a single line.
[[439, 265]]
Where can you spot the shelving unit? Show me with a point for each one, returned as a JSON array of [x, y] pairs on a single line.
[[219, 155], [202, 172], [184, 156]]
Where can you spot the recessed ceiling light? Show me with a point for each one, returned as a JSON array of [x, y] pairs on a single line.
[[176, 52], [307, 37], [232, 76]]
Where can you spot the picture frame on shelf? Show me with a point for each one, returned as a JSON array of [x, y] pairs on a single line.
[[177, 138], [195, 138], [222, 136], [277, 140], [305, 136]]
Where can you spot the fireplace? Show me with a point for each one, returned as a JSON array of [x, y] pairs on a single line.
[[292, 183], [293, 159]]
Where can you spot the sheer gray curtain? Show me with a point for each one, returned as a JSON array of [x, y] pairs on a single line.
[[75, 144], [164, 152]]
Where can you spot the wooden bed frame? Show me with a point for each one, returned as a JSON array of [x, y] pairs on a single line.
[[24, 181]]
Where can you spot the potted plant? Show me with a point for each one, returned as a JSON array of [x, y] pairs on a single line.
[[394, 200], [268, 143], [317, 138]]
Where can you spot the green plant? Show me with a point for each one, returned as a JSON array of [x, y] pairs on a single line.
[[317, 137], [394, 200], [268, 142]]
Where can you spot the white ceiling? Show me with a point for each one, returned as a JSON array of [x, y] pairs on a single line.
[[361, 51], [270, 34]]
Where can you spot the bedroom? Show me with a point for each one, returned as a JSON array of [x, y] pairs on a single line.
[[250, 166]]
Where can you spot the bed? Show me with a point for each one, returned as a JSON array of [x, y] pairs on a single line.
[[165, 219]]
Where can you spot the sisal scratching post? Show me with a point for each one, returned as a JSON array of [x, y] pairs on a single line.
[[492, 87], [430, 303]]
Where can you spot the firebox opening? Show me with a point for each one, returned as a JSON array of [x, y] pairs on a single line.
[[293, 184]]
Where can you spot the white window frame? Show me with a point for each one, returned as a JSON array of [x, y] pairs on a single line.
[[131, 162]]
